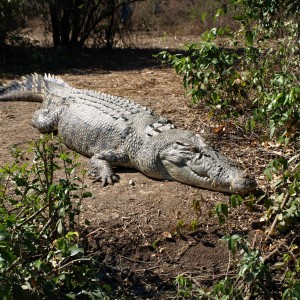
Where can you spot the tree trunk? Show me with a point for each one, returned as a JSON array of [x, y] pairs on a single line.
[[73, 21], [65, 27], [76, 21], [54, 10]]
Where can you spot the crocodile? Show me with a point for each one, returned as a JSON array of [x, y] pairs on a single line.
[[113, 131]]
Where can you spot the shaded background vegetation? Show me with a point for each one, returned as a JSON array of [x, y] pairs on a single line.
[[77, 23]]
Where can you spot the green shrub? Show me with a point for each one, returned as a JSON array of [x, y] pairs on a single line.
[[252, 73], [252, 76], [41, 251]]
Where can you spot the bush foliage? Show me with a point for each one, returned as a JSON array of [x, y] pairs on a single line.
[[41, 250], [253, 72], [252, 75]]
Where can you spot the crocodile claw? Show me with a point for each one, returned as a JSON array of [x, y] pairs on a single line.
[[106, 179]]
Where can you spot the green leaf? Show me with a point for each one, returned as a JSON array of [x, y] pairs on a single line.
[[51, 188], [240, 18], [203, 17], [60, 227], [279, 265], [87, 195], [155, 243], [7, 255], [249, 37], [220, 12], [72, 235], [249, 277], [38, 264], [74, 250], [272, 129], [235, 200], [222, 208]]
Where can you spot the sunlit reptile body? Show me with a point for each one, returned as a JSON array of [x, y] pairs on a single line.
[[113, 131]]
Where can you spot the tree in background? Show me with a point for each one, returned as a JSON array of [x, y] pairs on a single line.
[[73, 22]]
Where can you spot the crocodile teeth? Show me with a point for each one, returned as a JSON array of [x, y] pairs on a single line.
[[205, 178]]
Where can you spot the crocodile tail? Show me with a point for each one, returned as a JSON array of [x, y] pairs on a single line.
[[31, 89]]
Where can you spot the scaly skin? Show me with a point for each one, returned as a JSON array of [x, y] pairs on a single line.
[[116, 132]]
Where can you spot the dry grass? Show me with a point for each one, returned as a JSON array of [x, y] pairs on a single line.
[[177, 17]]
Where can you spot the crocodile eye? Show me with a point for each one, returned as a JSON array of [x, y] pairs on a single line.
[[198, 154], [181, 144], [184, 146]]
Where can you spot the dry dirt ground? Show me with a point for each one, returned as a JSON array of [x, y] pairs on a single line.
[[134, 223]]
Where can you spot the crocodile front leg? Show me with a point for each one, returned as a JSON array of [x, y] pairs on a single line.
[[46, 120], [101, 166]]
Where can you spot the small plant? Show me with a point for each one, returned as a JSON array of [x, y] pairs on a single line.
[[291, 281], [41, 254], [222, 212], [284, 203], [184, 287], [197, 206], [253, 276], [180, 226], [222, 209], [194, 225]]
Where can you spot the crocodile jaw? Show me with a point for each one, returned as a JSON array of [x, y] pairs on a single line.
[[206, 168], [231, 180]]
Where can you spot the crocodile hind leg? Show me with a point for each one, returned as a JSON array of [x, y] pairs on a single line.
[[101, 165], [45, 120]]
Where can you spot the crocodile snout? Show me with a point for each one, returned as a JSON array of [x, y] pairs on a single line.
[[243, 183]]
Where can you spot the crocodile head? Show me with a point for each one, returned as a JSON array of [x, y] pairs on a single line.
[[194, 163]]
